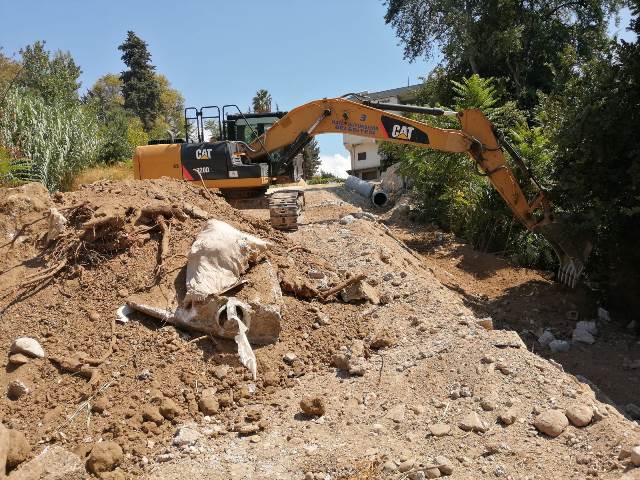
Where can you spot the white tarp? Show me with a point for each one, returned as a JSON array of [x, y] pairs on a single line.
[[218, 256]]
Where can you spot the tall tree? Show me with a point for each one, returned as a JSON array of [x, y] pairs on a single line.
[[140, 87], [9, 70], [519, 43], [105, 95], [171, 111], [262, 101], [53, 77], [310, 159]]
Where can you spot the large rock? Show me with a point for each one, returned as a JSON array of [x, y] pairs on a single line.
[[551, 422], [473, 423], [16, 389], [18, 448], [360, 291], [27, 345], [313, 406], [53, 463], [579, 415], [186, 435], [104, 457]]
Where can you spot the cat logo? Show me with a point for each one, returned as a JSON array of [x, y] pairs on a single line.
[[203, 153], [401, 132]]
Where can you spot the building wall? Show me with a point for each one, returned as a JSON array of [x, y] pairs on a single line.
[[368, 169]]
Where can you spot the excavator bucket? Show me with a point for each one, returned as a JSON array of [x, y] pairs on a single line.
[[571, 249]]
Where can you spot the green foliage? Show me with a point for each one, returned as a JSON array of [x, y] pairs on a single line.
[[140, 87], [519, 43], [9, 70], [324, 177], [454, 197], [261, 101], [311, 159], [54, 78], [593, 119], [51, 142]]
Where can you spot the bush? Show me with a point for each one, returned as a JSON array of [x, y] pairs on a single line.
[[453, 196], [51, 142]]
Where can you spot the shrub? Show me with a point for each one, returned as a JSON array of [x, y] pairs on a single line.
[[52, 141]]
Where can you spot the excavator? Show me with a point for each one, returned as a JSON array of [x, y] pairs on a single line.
[[247, 168]]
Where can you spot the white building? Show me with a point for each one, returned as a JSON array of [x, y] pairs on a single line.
[[365, 160]]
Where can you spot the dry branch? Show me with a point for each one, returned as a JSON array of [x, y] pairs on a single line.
[[343, 285]]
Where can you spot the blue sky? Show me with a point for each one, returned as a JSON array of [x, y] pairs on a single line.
[[222, 52]]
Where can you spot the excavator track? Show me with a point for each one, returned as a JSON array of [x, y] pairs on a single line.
[[284, 209]]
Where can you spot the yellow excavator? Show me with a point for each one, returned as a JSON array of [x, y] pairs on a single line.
[[241, 168]]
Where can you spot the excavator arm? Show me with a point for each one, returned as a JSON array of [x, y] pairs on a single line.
[[477, 137]]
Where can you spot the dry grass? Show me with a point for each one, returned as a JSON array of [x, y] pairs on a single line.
[[118, 171]]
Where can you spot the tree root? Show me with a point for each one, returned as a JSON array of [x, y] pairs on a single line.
[[86, 366]]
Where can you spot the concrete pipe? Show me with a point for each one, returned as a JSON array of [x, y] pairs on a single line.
[[379, 198], [367, 190], [360, 186]]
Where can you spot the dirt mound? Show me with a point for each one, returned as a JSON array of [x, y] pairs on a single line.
[[100, 378]]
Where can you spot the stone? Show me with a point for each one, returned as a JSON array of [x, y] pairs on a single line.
[[444, 465], [590, 327], [488, 405], [508, 417], [389, 467], [221, 371], [53, 463], [432, 472], [27, 345], [360, 290], [579, 415], [347, 219], [582, 336], [289, 358], [383, 339], [145, 374], [473, 423], [151, 413], [635, 455], [439, 429], [104, 457], [397, 413], [546, 338], [94, 316], [406, 465], [486, 323], [558, 346], [16, 389], [603, 315], [551, 422], [340, 361], [185, 435], [246, 430], [18, 448], [323, 319], [18, 359], [99, 405], [168, 409], [313, 406], [208, 405], [316, 274], [377, 428]]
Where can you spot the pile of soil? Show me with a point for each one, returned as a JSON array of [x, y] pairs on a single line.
[[148, 365]]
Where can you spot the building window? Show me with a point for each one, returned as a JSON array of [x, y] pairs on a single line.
[[362, 155]]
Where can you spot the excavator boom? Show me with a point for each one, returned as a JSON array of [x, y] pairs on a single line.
[[477, 137]]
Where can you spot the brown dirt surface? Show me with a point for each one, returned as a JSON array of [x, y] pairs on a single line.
[[440, 367]]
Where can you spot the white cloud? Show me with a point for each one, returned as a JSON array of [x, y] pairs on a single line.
[[336, 164]]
